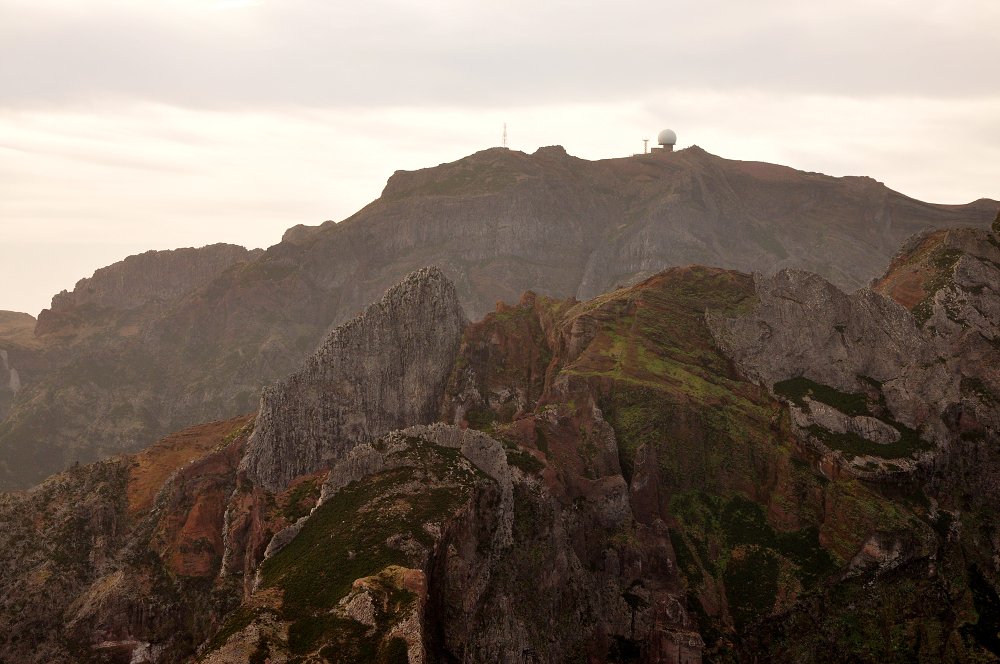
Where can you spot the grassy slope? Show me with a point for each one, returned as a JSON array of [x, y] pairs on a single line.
[[349, 538]]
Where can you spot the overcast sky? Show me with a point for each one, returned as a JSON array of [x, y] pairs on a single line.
[[128, 125]]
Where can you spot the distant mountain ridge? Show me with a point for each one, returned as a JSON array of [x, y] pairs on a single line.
[[168, 339]]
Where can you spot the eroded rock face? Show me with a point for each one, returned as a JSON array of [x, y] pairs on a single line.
[[899, 385], [806, 325], [108, 562], [607, 487], [110, 343], [923, 340], [384, 370]]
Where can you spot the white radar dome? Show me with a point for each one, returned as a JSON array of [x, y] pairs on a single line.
[[667, 137]]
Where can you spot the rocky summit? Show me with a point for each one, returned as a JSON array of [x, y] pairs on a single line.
[[380, 372], [704, 466], [165, 340]]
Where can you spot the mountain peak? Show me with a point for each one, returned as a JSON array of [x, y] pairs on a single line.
[[381, 371]]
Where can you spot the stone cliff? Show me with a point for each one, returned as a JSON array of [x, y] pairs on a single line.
[[384, 370], [886, 370], [94, 379], [15, 342]]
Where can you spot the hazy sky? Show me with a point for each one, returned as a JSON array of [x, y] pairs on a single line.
[[129, 125]]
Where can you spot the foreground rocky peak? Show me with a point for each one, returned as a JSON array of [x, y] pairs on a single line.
[[384, 370]]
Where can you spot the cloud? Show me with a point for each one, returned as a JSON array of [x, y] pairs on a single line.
[[227, 5], [394, 52]]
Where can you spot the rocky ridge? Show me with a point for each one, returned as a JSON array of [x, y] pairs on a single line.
[[165, 340], [93, 380], [108, 562]]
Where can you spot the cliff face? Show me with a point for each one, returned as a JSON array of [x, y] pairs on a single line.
[[381, 371], [111, 562], [501, 222], [897, 386], [89, 380], [879, 371], [167, 339], [16, 354]]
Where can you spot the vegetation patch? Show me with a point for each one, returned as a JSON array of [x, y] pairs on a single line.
[[696, 445], [482, 419], [852, 404], [798, 388], [901, 616], [524, 460], [853, 445], [301, 499], [236, 621], [986, 630], [362, 530], [751, 578], [686, 562], [737, 545], [976, 387]]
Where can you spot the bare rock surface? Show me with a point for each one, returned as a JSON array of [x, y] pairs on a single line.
[[591, 481], [918, 350], [805, 324], [382, 371]]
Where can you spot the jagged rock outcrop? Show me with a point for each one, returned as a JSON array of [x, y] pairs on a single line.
[[804, 324], [382, 371], [388, 502], [919, 345]]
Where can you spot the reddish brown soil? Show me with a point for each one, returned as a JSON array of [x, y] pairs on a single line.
[[153, 466]]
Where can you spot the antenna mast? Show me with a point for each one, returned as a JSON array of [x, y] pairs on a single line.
[[505, 134], [645, 146]]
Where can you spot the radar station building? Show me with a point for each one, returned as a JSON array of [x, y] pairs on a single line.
[[666, 141]]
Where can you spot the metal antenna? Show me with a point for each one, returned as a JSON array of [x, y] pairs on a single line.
[[645, 146], [505, 134]]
